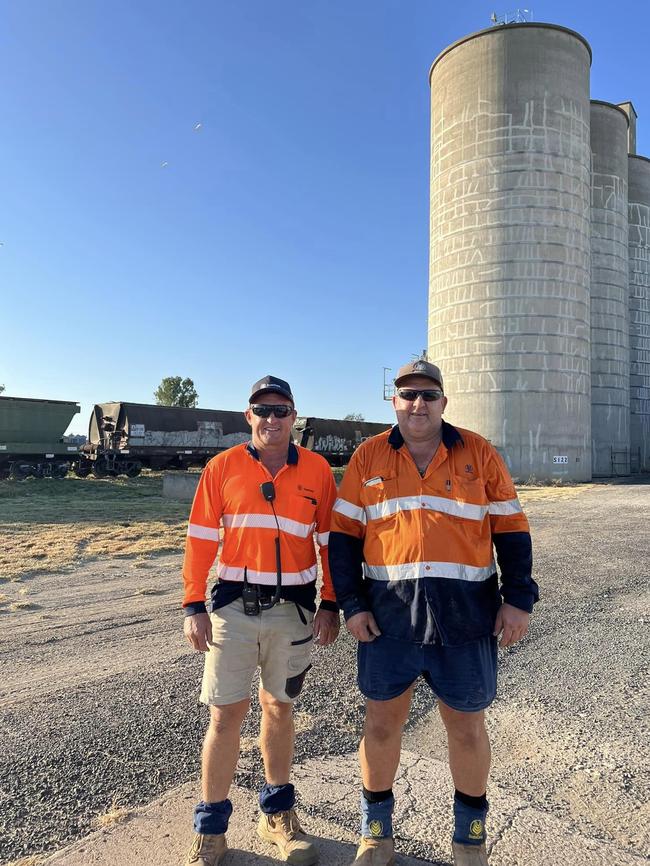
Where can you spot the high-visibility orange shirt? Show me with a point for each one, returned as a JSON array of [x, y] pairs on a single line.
[[229, 502], [418, 550]]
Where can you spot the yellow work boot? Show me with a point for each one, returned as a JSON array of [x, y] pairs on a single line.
[[469, 855], [283, 829], [375, 852], [207, 850]]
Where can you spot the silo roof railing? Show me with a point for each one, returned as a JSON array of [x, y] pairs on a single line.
[[499, 29]]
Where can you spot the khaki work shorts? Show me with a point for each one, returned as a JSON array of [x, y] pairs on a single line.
[[276, 640]]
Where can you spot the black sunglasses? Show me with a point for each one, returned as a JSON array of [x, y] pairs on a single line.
[[263, 410], [429, 395]]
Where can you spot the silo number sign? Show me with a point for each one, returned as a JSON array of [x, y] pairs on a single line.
[[557, 459]]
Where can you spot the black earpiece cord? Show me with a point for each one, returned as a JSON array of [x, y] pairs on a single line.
[[268, 492], [278, 559]]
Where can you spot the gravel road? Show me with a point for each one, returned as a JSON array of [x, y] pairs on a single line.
[[98, 693]]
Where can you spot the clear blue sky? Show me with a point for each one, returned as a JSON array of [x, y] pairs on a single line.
[[288, 235]]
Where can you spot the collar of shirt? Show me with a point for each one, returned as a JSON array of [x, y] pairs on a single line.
[[292, 453], [450, 436]]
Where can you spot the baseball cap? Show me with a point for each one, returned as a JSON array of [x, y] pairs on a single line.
[[419, 368], [270, 385]]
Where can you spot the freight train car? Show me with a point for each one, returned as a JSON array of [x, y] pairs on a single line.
[[124, 437], [334, 439], [31, 437]]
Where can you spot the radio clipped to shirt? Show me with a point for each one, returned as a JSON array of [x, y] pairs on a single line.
[[253, 601]]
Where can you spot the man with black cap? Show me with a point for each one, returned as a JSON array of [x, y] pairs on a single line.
[[421, 509], [264, 503]]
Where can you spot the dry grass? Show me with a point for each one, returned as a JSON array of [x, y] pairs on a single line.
[[150, 590], [303, 722], [23, 605], [34, 860], [528, 493], [117, 814], [50, 525]]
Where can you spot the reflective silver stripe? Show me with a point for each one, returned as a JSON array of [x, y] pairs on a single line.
[[433, 503], [350, 510], [289, 578], [509, 506], [205, 532], [322, 538], [267, 521], [416, 570]]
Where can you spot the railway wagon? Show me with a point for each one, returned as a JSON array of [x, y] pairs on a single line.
[[31, 437], [334, 439], [124, 437]]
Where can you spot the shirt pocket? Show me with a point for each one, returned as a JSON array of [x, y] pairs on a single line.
[[303, 511], [379, 496], [469, 499]]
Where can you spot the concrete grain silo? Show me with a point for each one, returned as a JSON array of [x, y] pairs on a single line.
[[639, 248], [509, 307], [610, 321]]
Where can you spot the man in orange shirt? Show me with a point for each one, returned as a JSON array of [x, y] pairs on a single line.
[[272, 499], [421, 510]]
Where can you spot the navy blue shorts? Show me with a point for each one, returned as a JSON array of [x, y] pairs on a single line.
[[463, 677]]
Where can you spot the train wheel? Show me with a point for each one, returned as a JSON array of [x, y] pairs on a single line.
[[21, 470], [133, 469], [100, 469], [60, 470], [82, 470]]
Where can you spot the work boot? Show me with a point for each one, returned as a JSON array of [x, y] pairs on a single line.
[[283, 829], [375, 852], [469, 855], [207, 850]]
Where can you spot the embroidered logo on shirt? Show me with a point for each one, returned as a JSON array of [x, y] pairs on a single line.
[[376, 828], [469, 467]]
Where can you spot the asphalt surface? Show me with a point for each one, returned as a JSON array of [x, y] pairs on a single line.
[[569, 729]]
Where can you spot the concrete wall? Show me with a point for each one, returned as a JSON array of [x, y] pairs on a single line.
[[180, 485], [509, 307], [610, 320], [639, 249]]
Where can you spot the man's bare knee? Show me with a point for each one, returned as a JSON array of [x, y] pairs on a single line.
[[385, 719], [466, 729], [272, 707], [229, 717]]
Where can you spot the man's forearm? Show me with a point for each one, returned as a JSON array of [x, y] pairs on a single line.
[[346, 567], [515, 558]]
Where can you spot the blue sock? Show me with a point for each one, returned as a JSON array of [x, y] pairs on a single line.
[[377, 818], [277, 798], [212, 818], [469, 823]]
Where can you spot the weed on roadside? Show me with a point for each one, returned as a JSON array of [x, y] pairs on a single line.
[[116, 814]]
